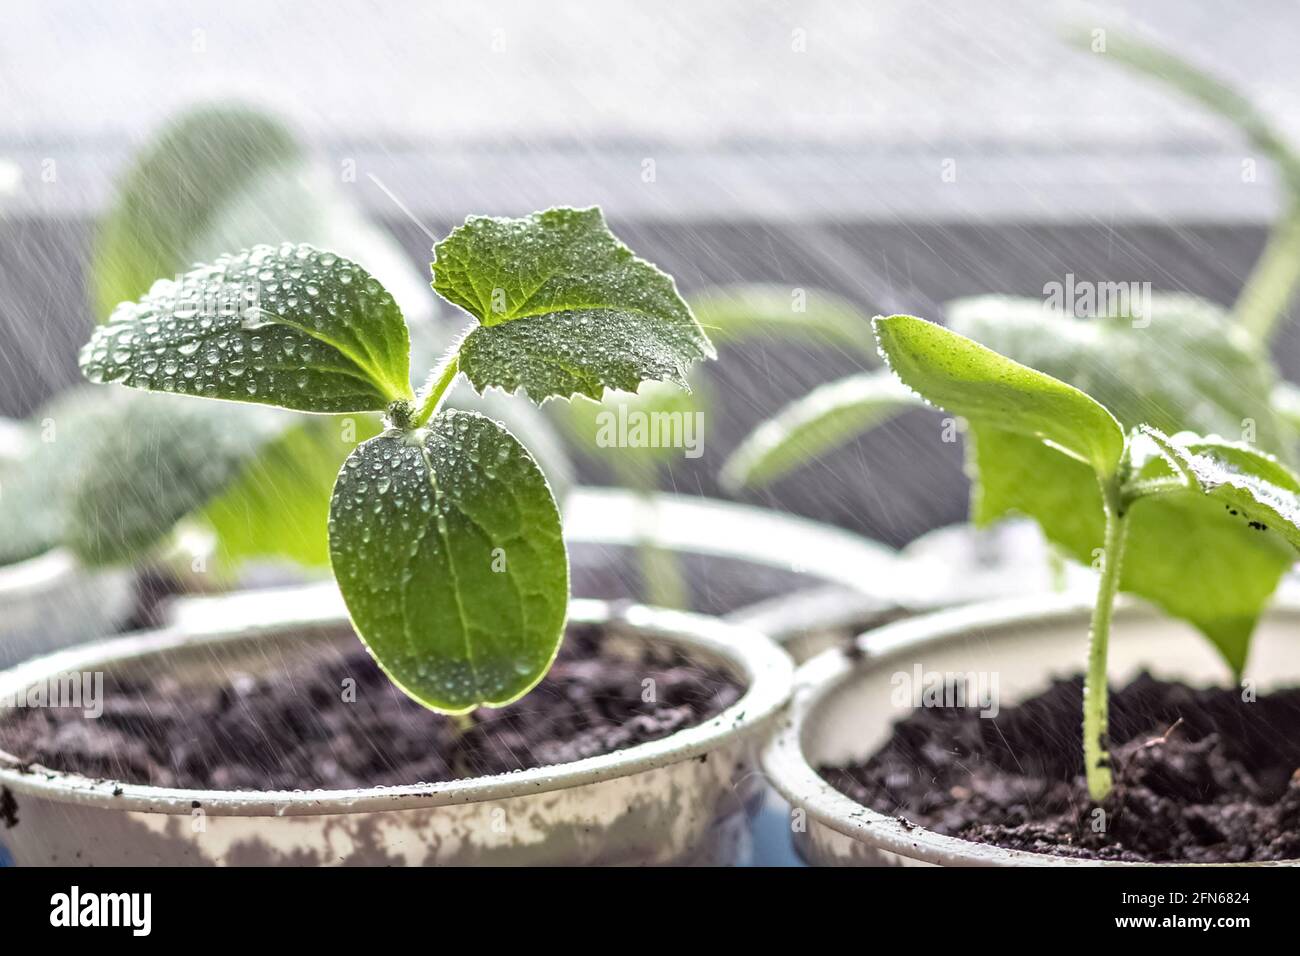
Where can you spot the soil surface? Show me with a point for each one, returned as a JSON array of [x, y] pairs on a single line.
[[1201, 776], [286, 731]]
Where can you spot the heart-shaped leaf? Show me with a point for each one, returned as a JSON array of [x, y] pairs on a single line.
[[447, 546], [291, 326], [564, 307]]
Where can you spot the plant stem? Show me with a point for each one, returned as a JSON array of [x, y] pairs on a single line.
[[1057, 568], [1096, 760], [460, 765], [661, 573], [1264, 298], [439, 382]]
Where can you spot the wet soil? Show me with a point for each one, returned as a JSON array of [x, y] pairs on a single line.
[[304, 729], [1201, 775]]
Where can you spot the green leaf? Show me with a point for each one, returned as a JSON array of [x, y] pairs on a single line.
[[564, 307], [1212, 551], [732, 313], [1184, 366], [1196, 548], [1018, 474], [278, 506], [34, 484], [176, 190], [1286, 404], [825, 418], [227, 177], [1188, 555], [82, 441], [1254, 487], [158, 459], [430, 342], [110, 473], [447, 546], [1242, 457], [291, 326], [1186, 551], [638, 432], [969, 380]]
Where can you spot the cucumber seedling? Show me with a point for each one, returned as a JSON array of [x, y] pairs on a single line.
[[444, 536], [1201, 526]]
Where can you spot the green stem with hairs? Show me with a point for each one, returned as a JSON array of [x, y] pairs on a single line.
[[1096, 760], [439, 383]]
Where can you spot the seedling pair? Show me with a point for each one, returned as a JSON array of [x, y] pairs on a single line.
[[444, 536]]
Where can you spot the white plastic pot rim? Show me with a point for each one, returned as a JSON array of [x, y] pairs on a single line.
[[36, 574], [725, 529], [765, 669]]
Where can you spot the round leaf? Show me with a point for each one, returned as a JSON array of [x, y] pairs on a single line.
[[447, 546]]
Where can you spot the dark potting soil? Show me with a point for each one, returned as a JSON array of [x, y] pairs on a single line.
[[1201, 776], [286, 731]]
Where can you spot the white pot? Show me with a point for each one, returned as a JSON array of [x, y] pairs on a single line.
[[732, 554], [680, 799], [51, 601], [948, 567], [54, 601], [841, 710]]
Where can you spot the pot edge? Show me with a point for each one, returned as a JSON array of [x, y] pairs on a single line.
[[767, 670], [798, 782]]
